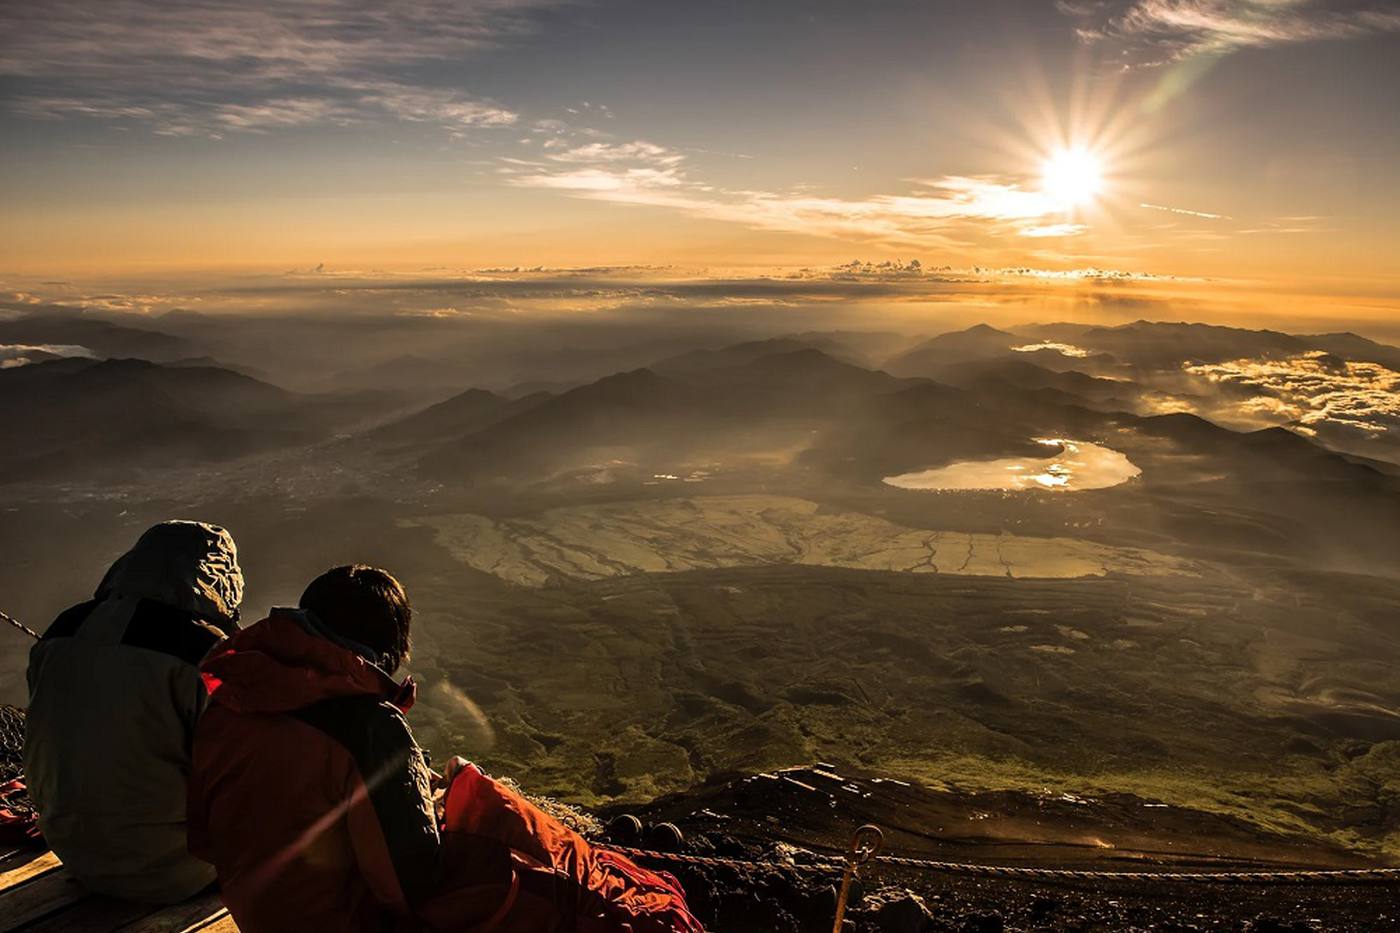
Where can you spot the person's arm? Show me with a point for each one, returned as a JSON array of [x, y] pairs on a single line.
[[390, 816]]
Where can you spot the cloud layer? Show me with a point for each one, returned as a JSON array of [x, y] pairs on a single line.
[[209, 67], [513, 292], [1157, 31], [13, 355], [1315, 392]]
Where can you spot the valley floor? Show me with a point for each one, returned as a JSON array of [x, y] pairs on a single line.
[[705, 532]]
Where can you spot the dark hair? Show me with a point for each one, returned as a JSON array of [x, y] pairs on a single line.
[[366, 605]]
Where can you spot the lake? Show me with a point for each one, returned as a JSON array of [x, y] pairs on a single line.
[[1079, 465]]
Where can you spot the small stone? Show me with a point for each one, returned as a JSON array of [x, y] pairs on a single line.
[[624, 828], [984, 923], [729, 847], [665, 836], [1274, 925], [906, 914]]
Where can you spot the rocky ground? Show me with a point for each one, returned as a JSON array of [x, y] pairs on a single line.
[[788, 821], [778, 900]]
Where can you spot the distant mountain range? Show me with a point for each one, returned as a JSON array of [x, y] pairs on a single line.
[[979, 392], [80, 417], [100, 337]]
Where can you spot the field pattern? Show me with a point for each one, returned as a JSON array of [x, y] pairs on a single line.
[[601, 541]]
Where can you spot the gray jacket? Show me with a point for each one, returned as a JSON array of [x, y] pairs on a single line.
[[114, 693]]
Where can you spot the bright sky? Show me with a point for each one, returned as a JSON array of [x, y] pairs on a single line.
[[1252, 141]]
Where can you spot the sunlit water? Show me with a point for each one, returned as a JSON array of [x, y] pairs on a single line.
[[1079, 465], [1064, 349]]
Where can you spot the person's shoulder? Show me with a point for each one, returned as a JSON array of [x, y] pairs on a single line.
[[148, 625], [179, 633], [372, 729], [68, 622]]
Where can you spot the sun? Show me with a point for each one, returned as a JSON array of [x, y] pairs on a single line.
[[1072, 177]]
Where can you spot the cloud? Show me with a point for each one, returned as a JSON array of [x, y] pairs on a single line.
[[207, 67], [281, 112], [514, 293], [619, 152], [936, 213], [174, 119], [1157, 31], [446, 107], [1315, 391], [64, 298], [1053, 230], [1307, 223], [249, 42], [13, 355], [1064, 349]]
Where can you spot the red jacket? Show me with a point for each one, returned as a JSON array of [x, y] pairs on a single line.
[[310, 797]]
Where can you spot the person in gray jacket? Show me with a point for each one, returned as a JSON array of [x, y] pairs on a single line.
[[114, 694]]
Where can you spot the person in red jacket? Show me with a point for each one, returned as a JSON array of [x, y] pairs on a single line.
[[316, 806], [307, 791]]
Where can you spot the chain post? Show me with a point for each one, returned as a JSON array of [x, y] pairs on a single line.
[[865, 845]]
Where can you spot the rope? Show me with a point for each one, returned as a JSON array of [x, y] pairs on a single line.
[[714, 861], [20, 625], [1302, 876]]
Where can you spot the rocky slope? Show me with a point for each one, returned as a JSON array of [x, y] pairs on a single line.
[[788, 820]]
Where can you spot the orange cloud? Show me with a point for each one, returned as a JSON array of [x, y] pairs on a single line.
[[937, 212]]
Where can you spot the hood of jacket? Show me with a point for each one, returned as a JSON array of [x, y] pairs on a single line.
[[188, 565], [285, 663]]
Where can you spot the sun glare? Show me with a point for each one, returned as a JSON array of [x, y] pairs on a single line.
[[1072, 177]]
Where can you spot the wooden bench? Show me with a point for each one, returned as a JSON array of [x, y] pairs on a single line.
[[37, 895]]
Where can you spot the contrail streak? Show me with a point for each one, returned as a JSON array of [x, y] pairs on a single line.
[[1182, 210]]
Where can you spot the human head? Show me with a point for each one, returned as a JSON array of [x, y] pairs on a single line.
[[365, 605], [188, 565]]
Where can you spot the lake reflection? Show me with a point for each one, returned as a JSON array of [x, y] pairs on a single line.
[[1079, 465]]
